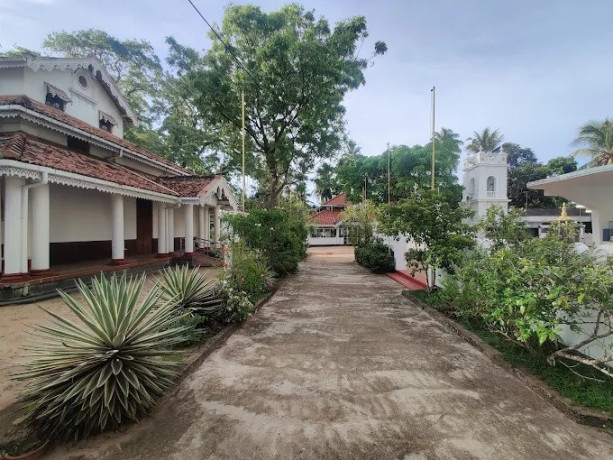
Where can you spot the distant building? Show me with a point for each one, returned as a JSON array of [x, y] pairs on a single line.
[[485, 182], [74, 190], [328, 228]]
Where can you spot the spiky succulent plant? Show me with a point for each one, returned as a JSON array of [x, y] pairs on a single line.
[[191, 290], [107, 368]]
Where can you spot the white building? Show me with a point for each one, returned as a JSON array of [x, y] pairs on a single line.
[[73, 190], [328, 228], [485, 182]]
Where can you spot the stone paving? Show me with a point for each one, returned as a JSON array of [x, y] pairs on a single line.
[[339, 365]]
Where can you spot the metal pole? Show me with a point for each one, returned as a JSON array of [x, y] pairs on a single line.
[[433, 131], [243, 135], [389, 175]]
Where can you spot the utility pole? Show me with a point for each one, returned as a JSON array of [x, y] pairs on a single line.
[[243, 135], [433, 90]]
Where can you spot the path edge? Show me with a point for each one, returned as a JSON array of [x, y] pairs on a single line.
[[582, 415]]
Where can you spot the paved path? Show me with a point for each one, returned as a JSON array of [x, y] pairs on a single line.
[[339, 365]]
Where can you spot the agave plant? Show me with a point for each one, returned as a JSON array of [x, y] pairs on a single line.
[[189, 289], [105, 369]]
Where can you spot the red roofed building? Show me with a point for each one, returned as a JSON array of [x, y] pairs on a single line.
[[327, 223], [72, 189]]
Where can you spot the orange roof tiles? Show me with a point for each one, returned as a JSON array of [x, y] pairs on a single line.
[[337, 201], [326, 217]]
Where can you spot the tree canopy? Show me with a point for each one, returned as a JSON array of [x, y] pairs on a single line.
[[597, 140], [485, 141]]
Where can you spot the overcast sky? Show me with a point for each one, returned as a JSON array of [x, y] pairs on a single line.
[[534, 69]]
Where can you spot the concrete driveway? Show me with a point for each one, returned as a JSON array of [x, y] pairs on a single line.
[[339, 365]]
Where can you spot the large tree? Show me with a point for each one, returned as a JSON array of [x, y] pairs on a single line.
[[597, 140], [294, 70], [518, 155], [326, 185], [485, 141]]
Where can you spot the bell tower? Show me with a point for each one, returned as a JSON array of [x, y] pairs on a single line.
[[485, 182]]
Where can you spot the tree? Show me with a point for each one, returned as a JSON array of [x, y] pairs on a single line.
[[326, 185], [434, 226], [132, 63], [447, 135], [485, 141], [518, 155], [19, 51], [562, 165], [597, 139], [362, 218], [294, 70]]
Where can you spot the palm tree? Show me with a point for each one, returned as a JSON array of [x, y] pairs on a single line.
[[446, 134], [325, 182], [597, 137], [487, 141]]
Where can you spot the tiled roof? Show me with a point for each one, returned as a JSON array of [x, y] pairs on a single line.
[[21, 147], [188, 186], [63, 117], [339, 201], [325, 217]]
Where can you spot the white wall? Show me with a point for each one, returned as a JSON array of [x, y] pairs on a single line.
[[86, 102], [85, 215], [11, 82], [326, 241]]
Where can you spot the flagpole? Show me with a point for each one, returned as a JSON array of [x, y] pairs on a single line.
[[433, 90], [243, 135], [389, 175]]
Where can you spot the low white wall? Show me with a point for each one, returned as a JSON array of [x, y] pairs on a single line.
[[326, 241], [85, 215]]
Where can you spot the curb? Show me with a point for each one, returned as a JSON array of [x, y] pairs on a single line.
[[582, 415]]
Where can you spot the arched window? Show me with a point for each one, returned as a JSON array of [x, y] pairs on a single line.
[[491, 187], [471, 189]]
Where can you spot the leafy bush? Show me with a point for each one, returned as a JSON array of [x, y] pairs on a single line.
[[246, 279], [375, 255], [280, 235], [108, 368]]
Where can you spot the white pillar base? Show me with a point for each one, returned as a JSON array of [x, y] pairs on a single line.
[[189, 230], [40, 229], [118, 243]]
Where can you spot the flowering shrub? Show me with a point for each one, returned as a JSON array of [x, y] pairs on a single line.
[[246, 279]]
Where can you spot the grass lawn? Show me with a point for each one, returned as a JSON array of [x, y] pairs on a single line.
[[582, 391]]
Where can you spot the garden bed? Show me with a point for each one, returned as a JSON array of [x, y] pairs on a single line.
[[587, 400]]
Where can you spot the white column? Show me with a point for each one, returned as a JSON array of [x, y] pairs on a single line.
[[189, 229], [118, 243], [40, 228], [201, 227], [12, 225], [170, 232], [207, 225], [25, 227], [217, 224], [162, 243]]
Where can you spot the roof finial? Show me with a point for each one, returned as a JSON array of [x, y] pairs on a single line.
[[563, 216]]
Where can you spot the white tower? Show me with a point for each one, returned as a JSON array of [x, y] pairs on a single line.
[[485, 182]]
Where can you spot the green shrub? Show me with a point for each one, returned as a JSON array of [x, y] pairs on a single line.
[[278, 234], [375, 255], [246, 279], [105, 369]]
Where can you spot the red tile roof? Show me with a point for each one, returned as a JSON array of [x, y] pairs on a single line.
[[21, 147], [63, 117], [325, 217], [188, 186], [338, 201]]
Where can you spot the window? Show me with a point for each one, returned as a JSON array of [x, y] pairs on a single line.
[[491, 187], [55, 97], [471, 189], [324, 232], [83, 81], [106, 122]]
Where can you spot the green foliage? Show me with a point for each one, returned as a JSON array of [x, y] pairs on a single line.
[[410, 167], [518, 155], [529, 290], [246, 279], [504, 229], [190, 290], [485, 141], [362, 218], [434, 226], [295, 73], [108, 368], [597, 139], [375, 255], [326, 184], [280, 236]]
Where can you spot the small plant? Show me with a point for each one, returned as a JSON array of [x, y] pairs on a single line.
[[108, 368], [189, 289]]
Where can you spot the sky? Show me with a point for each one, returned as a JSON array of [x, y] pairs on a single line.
[[534, 70]]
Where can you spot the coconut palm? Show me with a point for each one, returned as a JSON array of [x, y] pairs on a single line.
[[486, 141], [446, 134], [325, 182], [597, 137]]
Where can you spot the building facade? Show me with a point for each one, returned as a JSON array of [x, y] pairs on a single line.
[[328, 228], [72, 189]]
